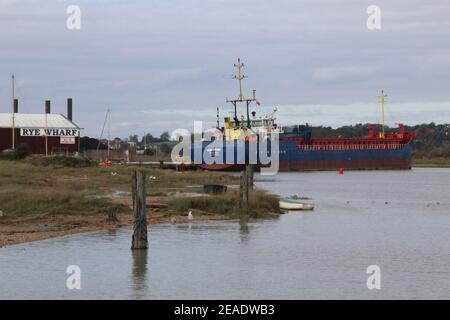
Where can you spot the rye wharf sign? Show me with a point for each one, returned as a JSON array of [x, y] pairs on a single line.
[[35, 132]]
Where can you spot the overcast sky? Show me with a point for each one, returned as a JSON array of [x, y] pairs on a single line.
[[159, 65]]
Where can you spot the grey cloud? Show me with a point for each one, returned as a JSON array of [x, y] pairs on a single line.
[[153, 62]]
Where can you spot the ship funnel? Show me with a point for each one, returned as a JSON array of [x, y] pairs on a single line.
[[69, 109], [47, 106]]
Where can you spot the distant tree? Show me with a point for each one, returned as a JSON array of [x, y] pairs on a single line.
[[148, 138], [133, 138], [87, 143], [165, 136]]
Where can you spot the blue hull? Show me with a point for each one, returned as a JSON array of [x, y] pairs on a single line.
[[292, 158]]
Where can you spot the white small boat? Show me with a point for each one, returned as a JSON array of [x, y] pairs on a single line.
[[292, 204]]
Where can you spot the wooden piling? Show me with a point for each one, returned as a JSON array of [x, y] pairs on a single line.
[[251, 174], [243, 190], [139, 240], [133, 189]]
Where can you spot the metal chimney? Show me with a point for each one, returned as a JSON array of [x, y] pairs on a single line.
[[47, 106], [16, 106], [69, 109]]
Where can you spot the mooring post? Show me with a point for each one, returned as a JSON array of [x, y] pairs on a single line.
[[133, 189], [139, 240], [243, 194], [251, 173]]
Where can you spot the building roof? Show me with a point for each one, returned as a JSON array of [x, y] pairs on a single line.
[[31, 120]]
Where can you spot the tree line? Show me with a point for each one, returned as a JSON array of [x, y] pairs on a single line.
[[150, 144]]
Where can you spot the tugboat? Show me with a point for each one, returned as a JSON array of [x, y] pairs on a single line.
[[299, 150]]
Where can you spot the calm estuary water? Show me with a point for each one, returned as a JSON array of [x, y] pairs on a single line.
[[398, 220]]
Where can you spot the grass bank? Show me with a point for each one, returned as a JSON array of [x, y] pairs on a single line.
[[431, 162], [262, 205], [41, 198]]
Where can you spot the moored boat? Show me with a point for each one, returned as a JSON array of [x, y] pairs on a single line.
[[293, 204]]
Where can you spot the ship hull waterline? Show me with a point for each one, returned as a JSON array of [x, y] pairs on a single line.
[[330, 161]]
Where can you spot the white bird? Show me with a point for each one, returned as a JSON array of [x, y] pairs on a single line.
[[190, 217]]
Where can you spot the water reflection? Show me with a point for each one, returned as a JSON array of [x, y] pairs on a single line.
[[111, 233], [244, 230], [139, 272]]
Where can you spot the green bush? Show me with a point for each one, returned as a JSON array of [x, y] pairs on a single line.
[[21, 152]]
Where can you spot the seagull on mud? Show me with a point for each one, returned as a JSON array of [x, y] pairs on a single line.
[[190, 216]]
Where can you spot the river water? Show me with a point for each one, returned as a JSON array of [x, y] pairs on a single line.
[[397, 220]]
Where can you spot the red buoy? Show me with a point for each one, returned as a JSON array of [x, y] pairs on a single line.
[[341, 171]]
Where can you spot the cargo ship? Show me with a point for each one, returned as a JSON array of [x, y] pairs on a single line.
[[298, 149]]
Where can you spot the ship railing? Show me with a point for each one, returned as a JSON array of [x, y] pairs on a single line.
[[349, 147]]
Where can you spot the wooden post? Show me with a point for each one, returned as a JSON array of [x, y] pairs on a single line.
[[133, 189], [243, 194], [251, 173], [139, 240]]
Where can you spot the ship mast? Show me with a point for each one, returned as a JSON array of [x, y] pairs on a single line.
[[382, 100], [239, 76], [13, 97]]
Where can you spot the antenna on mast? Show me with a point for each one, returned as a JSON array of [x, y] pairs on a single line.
[[241, 98], [240, 77], [382, 100]]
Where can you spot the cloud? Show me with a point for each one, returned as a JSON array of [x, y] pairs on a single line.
[[332, 74], [154, 62]]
